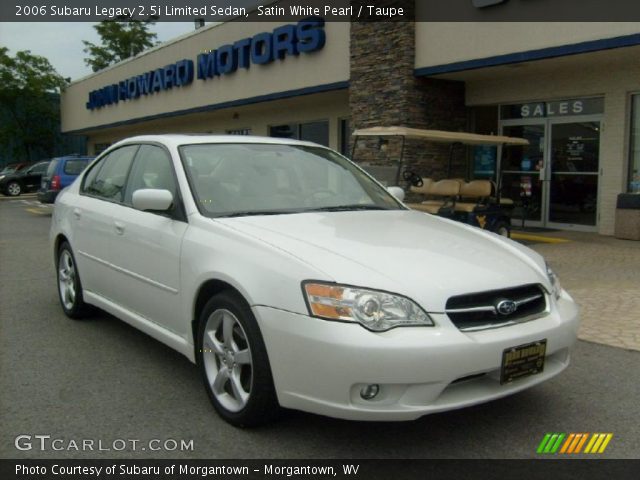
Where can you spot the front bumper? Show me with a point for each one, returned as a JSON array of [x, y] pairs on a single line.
[[320, 366]]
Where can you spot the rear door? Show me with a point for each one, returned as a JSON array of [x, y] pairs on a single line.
[[70, 170], [145, 249], [101, 192], [33, 176]]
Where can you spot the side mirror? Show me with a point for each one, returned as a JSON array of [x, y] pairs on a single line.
[[396, 192], [152, 199]]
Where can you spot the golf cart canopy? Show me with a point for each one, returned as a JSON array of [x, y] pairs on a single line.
[[439, 136]]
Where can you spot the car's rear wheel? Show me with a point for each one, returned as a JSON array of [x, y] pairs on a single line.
[[69, 286], [233, 362], [14, 189]]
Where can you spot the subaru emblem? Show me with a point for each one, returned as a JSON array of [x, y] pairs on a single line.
[[506, 307]]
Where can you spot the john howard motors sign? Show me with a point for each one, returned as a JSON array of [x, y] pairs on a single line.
[[306, 36]]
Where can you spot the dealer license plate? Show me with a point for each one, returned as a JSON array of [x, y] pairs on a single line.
[[522, 361]]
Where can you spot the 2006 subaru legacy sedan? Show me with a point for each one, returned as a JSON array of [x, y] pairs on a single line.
[[292, 278]]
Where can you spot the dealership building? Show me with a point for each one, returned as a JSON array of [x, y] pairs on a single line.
[[571, 89]]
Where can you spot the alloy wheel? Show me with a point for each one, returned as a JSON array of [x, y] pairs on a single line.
[[227, 360], [67, 279], [14, 189]]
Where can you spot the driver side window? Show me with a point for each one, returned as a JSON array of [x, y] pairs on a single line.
[[152, 169]]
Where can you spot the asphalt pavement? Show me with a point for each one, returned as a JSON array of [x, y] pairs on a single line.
[[102, 380]]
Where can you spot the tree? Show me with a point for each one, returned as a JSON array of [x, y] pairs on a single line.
[[29, 105], [121, 38]]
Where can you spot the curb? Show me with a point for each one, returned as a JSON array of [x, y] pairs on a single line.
[[537, 238]]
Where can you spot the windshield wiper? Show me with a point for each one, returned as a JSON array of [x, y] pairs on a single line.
[[346, 208], [249, 213]]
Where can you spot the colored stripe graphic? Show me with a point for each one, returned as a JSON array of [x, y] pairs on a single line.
[[598, 442], [543, 443], [581, 442], [550, 443], [573, 443]]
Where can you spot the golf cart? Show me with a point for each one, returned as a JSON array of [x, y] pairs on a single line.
[[477, 202]]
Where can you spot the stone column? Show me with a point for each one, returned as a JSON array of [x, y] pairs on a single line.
[[385, 92]]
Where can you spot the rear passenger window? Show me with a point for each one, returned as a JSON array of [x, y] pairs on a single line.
[[108, 178], [75, 167]]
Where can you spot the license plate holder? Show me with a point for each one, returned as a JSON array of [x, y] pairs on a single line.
[[523, 361]]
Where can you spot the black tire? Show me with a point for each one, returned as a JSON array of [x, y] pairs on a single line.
[[502, 228], [262, 406], [74, 308], [14, 189]]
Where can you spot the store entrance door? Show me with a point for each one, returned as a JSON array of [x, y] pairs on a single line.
[[521, 172], [554, 180], [573, 174]]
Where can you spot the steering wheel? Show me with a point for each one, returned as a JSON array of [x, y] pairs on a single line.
[[413, 178]]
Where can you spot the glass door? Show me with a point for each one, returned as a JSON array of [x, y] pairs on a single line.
[[521, 171], [574, 151]]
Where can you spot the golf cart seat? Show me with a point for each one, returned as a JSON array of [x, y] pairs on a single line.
[[476, 190], [445, 192], [424, 188]]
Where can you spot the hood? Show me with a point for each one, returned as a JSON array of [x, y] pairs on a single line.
[[421, 256]]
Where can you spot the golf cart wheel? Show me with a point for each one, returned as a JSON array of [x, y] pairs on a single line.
[[503, 229]]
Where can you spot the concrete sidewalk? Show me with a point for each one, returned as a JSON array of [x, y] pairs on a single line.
[[603, 275]]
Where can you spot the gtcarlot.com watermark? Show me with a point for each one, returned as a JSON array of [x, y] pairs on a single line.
[[26, 442]]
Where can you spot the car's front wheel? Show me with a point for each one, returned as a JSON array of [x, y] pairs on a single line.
[[69, 286], [14, 189], [233, 362]]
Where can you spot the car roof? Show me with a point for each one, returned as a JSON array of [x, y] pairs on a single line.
[[176, 140]]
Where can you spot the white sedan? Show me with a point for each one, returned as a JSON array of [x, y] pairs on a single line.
[[293, 279]]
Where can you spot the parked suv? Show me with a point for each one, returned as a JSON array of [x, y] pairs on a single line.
[[23, 181], [61, 173]]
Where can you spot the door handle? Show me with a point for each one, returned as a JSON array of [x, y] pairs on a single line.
[[119, 226], [77, 213]]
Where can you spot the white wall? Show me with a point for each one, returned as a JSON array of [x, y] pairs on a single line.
[[448, 42]]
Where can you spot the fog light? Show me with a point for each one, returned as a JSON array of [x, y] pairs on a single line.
[[369, 392]]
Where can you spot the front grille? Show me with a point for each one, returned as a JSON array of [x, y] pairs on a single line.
[[491, 309]]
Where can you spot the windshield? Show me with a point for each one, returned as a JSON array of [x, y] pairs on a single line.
[[260, 179]]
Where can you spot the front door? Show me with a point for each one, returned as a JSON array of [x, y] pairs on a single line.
[[554, 180], [573, 174]]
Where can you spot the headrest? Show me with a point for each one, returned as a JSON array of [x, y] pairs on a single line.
[[424, 189]]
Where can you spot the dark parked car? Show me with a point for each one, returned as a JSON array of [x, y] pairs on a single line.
[[23, 181], [61, 173], [14, 167]]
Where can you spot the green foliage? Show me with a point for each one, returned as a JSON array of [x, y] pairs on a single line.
[[121, 38], [29, 105]]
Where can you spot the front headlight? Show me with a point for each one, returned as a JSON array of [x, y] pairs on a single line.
[[556, 288], [374, 310], [2, 177]]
